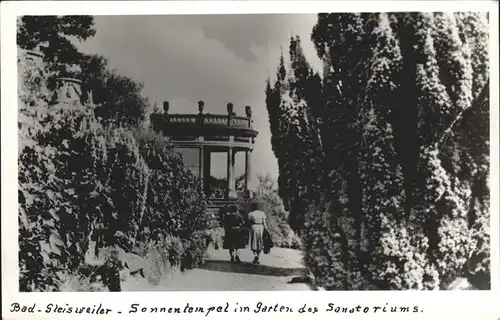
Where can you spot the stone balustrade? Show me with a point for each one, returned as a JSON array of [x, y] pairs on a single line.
[[209, 120]]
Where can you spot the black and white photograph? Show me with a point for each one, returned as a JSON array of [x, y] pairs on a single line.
[[328, 151]]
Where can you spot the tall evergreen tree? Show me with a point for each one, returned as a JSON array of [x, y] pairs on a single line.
[[296, 140], [306, 96], [278, 124], [392, 239], [344, 49], [404, 150]]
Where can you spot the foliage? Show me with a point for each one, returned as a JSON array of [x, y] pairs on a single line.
[[57, 175], [124, 187], [118, 98], [281, 232], [291, 104], [194, 250], [168, 255], [402, 158], [163, 257], [176, 203], [53, 36], [73, 171]]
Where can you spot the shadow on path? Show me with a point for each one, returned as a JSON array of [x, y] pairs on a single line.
[[250, 268]]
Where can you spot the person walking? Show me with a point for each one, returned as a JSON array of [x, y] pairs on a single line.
[[233, 237], [257, 221]]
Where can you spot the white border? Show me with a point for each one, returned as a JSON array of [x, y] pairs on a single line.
[[234, 7], [466, 305]]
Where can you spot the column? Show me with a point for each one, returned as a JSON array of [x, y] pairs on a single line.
[[234, 173], [231, 185], [201, 163], [248, 171], [201, 157], [206, 170]]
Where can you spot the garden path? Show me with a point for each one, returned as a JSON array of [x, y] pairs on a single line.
[[274, 272]]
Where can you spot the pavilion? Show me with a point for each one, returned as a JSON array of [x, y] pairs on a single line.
[[197, 136]]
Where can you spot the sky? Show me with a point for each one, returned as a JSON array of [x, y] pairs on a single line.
[[214, 58]]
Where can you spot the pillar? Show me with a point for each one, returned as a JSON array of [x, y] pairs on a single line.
[[231, 181], [201, 163], [248, 170], [206, 170]]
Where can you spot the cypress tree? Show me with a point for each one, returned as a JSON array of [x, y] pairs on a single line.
[[294, 103], [278, 124], [305, 91], [404, 150]]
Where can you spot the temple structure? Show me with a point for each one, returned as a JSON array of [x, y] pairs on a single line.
[[197, 136]]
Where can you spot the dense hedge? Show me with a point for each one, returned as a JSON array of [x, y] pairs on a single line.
[[72, 171]]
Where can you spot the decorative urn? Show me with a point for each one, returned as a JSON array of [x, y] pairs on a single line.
[[166, 106], [248, 111], [230, 109]]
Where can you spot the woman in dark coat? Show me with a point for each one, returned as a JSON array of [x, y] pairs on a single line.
[[233, 235]]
